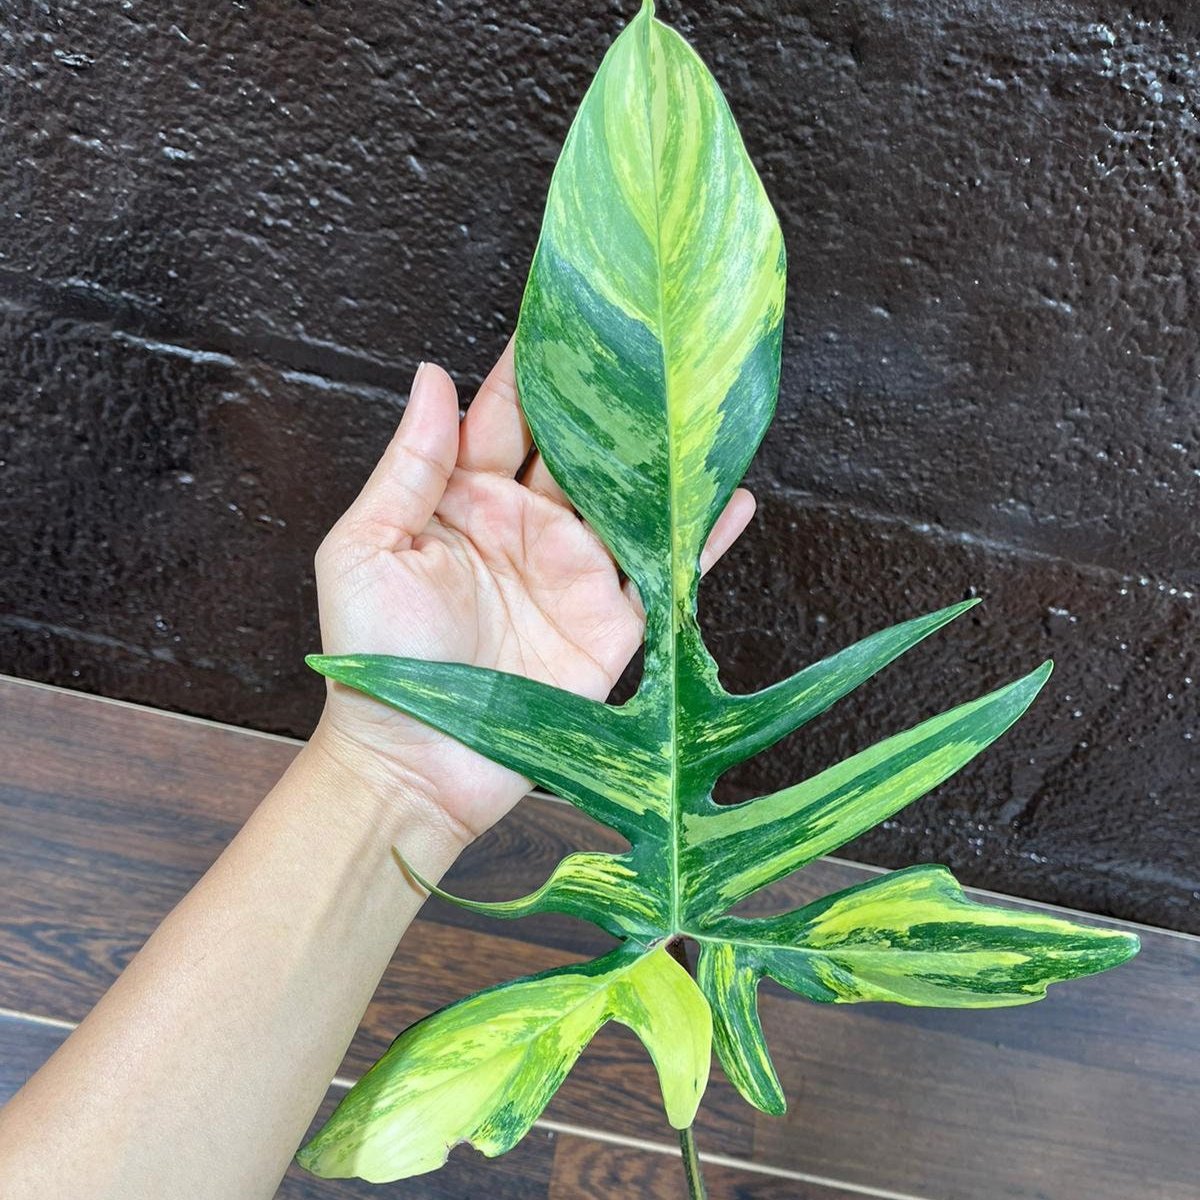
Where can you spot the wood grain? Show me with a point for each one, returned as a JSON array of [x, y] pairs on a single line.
[[108, 813], [587, 1167]]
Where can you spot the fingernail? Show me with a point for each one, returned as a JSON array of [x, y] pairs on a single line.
[[412, 391], [416, 383]]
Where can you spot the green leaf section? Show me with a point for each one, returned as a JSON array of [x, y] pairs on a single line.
[[482, 1070], [733, 851], [745, 725], [582, 750], [647, 359], [648, 342], [911, 937]]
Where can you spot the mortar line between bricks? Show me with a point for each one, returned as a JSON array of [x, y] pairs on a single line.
[[163, 654], [964, 537], [126, 318]]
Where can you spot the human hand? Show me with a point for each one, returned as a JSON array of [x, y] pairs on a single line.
[[458, 549]]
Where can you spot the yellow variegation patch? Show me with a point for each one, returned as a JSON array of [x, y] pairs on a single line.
[[482, 1070]]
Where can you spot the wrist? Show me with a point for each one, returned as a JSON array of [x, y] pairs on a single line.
[[383, 798]]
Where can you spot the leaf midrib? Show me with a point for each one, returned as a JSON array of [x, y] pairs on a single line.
[[673, 660], [801, 948], [849, 952]]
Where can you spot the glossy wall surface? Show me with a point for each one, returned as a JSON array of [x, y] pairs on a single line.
[[228, 233]]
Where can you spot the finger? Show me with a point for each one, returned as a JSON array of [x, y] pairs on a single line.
[[408, 481], [634, 598], [537, 478], [494, 436], [728, 528]]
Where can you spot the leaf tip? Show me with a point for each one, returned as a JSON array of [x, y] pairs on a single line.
[[414, 875], [943, 616], [1029, 685], [1125, 946], [339, 667], [309, 1156], [773, 1104]]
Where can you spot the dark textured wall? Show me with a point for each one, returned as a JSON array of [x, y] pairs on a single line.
[[228, 231]]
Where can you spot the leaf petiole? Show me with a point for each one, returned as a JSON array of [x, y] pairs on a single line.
[[691, 1164], [677, 949]]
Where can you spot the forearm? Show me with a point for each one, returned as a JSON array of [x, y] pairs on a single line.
[[199, 1071]]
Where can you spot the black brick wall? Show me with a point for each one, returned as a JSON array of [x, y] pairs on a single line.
[[228, 231]]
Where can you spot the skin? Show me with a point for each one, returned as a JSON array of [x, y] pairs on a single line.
[[199, 1071]]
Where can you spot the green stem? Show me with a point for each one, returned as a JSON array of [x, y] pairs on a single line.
[[687, 1137], [691, 1164]]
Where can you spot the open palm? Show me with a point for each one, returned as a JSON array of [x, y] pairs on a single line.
[[462, 548]]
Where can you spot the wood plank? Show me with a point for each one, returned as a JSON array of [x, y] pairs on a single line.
[[587, 1167], [109, 812]]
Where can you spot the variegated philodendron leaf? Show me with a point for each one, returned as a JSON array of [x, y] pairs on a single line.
[[647, 360]]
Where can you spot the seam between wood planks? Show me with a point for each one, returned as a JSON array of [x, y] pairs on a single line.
[[34, 1019]]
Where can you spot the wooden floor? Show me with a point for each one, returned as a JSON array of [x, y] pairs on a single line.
[[109, 812]]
